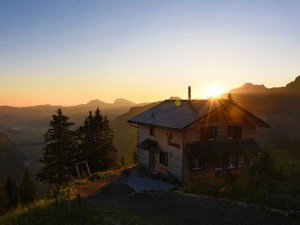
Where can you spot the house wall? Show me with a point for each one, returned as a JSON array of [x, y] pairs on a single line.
[[174, 153], [193, 134]]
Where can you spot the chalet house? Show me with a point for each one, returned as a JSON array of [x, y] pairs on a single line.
[[195, 139]]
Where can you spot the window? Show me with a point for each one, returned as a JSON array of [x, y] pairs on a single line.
[[212, 131], [152, 131], [242, 160], [163, 158], [218, 167], [231, 162], [209, 133], [218, 164], [197, 164], [234, 132]]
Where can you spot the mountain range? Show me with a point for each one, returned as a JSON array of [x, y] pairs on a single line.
[[292, 88], [25, 126], [280, 103]]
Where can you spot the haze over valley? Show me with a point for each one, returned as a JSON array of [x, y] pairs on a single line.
[[22, 129]]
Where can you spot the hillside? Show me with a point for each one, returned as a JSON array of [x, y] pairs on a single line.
[[292, 88], [11, 160], [38, 116], [105, 201], [278, 106], [26, 126], [125, 135]]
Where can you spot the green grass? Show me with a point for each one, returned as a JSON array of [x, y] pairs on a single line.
[[285, 160], [46, 212], [286, 165], [207, 187]]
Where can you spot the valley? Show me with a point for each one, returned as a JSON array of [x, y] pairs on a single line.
[[280, 107]]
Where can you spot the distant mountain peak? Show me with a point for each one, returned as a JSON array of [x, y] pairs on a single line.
[[294, 85], [95, 102], [250, 88], [123, 102]]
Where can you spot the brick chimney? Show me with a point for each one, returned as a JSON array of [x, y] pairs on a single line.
[[190, 93]]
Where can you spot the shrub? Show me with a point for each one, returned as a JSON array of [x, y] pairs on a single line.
[[98, 176], [3, 201], [207, 187]]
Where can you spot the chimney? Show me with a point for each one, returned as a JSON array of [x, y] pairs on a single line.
[[190, 95]]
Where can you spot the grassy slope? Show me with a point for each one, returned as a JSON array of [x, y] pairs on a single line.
[[45, 211]]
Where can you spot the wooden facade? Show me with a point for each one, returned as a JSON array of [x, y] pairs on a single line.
[[174, 154], [210, 168], [148, 158]]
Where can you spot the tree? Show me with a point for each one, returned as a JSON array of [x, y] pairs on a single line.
[[97, 142], [3, 201], [12, 193], [27, 188], [258, 179], [59, 151]]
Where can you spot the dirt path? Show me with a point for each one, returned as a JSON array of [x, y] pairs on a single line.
[[175, 209]]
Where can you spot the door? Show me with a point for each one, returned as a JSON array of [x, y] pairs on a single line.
[[151, 159]]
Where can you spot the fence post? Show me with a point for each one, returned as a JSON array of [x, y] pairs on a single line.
[[81, 214], [69, 200], [294, 183]]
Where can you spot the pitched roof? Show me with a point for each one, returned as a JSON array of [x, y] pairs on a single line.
[[179, 114]]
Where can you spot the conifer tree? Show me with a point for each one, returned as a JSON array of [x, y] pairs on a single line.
[[3, 201], [12, 193], [27, 188], [97, 142], [59, 151]]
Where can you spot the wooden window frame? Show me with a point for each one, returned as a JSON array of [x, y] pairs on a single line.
[[234, 132], [163, 158], [212, 133], [152, 131], [241, 160], [221, 164], [209, 133], [199, 164], [231, 162]]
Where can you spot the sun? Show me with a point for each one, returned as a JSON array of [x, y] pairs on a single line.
[[212, 91]]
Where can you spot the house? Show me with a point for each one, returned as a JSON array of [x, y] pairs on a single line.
[[195, 139]]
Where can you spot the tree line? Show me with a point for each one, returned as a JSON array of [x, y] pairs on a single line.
[[93, 141], [12, 194]]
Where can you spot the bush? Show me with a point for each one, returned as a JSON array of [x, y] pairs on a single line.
[[3, 201], [98, 176], [81, 182], [208, 187]]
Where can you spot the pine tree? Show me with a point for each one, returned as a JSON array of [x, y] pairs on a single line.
[[27, 188], [59, 151], [97, 142], [3, 201], [12, 193]]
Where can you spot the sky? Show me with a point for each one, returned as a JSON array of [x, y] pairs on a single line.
[[68, 52]]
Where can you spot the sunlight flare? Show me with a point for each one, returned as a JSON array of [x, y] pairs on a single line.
[[212, 91]]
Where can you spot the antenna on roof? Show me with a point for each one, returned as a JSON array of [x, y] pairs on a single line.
[[190, 93], [153, 116]]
